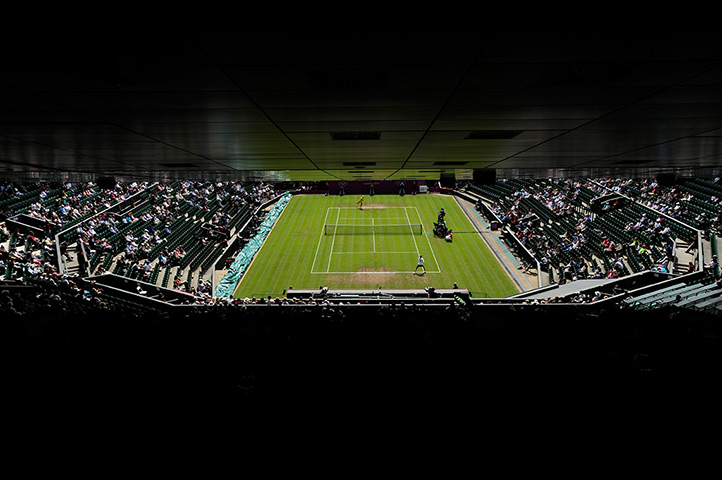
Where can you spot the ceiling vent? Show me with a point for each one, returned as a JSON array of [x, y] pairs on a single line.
[[359, 164], [178, 165], [579, 74], [449, 164], [493, 134], [355, 136], [345, 78], [631, 162]]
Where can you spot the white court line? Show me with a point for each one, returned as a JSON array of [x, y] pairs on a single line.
[[412, 233], [368, 208], [367, 273], [427, 240], [408, 219], [373, 234], [319, 241], [367, 253], [332, 242]]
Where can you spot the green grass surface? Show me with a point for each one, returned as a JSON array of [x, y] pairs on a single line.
[[298, 253]]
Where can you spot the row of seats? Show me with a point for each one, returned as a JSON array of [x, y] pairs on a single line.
[[82, 202], [705, 296], [185, 232], [560, 226]]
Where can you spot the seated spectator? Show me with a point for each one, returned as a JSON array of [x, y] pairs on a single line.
[[712, 265]]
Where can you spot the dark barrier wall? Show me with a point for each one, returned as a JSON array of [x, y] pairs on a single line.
[[430, 353], [380, 187]]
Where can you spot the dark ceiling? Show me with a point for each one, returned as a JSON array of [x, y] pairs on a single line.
[[370, 106]]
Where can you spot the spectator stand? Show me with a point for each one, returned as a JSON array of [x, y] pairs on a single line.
[[699, 292], [504, 203], [554, 220], [489, 226], [558, 223], [685, 235], [165, 231], [34, 211], [69, 237]]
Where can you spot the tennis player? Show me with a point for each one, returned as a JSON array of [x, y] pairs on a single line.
[[360, 202], [420, 263]]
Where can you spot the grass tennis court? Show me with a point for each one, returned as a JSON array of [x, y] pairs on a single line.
[[328, 241]]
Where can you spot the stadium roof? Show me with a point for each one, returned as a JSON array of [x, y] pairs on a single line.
[[371, 106]]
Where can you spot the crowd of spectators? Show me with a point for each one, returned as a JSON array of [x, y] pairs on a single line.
[[679, 201], [62, 204], [534, 211], [571, 237], [91, 229], [58, 206]]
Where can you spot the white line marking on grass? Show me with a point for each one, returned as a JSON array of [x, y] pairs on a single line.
[[373, 234], [369, 253], [332, 242], [363, 222], [319, 240], [331, 253], [427, 240], [366, 273], [412, 232]]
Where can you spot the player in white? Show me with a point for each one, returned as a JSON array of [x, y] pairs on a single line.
[[420, 263]]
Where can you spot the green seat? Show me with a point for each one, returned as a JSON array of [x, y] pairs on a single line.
[[703, 295], [686, 292], [710, 303], [656, 293]]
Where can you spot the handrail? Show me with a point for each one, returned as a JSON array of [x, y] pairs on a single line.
[[528, 252]]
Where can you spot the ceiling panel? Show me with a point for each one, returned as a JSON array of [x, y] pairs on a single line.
[[230, 105]]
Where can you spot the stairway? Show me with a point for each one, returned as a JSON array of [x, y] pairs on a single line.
[[684, 257]]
